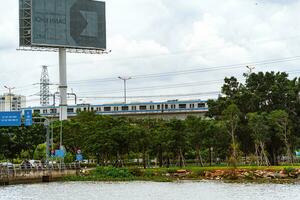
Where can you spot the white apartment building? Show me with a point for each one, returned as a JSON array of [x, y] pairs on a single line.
[[12, 102]]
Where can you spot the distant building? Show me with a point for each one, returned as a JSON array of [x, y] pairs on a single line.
[[12, 102]]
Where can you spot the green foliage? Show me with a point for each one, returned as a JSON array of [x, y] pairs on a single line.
[[261, 115], [110, 172], [288, 170], [40, 152], [69, 157], [136, 171]]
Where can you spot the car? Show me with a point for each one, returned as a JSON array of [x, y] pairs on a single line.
[[26, 165], [7, 165], [36, 163]]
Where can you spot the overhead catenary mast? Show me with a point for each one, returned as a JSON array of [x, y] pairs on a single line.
[[44, 87]]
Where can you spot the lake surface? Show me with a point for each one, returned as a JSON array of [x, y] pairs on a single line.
[[150, 191]]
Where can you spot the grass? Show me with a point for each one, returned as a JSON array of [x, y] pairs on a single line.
[[109, 174]]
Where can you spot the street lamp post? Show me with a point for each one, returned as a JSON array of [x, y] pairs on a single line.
[[10, 94], [124, 79]]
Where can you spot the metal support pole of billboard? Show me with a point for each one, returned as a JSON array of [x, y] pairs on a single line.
[[63, 83], [47, 126]]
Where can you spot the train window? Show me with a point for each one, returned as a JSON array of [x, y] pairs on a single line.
[[125, 108], [133, 107], [158, 107], [53, 110], [173, 106], [84, 109], [70, 110], [116, 108], [192, 105], [166, 106], [92, 108], [45, 111], [143, 107], [182, 105], [107, 109], [37, 111], [201, 105], [151, 107]]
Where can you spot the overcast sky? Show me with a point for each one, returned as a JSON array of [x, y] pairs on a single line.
[[180, 41]]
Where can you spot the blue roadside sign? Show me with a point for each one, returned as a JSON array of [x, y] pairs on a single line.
[[10, 118], [59, 153], [28, 117], [79, 157]]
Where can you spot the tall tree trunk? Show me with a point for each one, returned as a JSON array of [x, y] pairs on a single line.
[[257, 154], [160, 156], [168, 161], [264, 155], [181, 158], [144, 159], [198, 156], [233, 144]]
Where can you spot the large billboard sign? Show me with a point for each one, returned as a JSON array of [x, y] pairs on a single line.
[[10, 118], [63, 23]]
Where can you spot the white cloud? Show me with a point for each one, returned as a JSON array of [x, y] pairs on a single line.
[[148, 37]]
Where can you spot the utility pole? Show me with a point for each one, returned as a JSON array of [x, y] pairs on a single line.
[[124, 79], [250, 70], [10, 94]]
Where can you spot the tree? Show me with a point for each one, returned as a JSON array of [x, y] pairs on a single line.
[[260, 133], [40, 152], [178, 140], [196, 128], [280, 120], [231, 117]]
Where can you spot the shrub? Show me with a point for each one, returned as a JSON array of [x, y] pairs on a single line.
[[200, 173], [288, 170], [136, 172], [110, 172], [171, 171]]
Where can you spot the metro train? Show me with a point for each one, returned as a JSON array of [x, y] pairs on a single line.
[[170, 106]]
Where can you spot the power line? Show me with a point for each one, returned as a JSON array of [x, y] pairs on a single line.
[[195, 70], [151, 96]]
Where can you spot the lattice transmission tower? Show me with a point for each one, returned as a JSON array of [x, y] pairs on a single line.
[[44, 87]]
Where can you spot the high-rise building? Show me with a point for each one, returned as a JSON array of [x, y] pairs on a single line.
[[12, 102]]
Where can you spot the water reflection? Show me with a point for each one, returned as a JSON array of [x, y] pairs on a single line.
[[150, 191]]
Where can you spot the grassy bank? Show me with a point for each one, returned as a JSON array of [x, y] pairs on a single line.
[[277, 174]]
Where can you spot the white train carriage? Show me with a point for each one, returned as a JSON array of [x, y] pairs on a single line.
[[171, 106]]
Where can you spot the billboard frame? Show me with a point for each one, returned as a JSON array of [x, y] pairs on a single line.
[[26, 34], [26, 43]]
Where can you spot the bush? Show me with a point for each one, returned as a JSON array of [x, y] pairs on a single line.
[[109, 172], [88, 165], [149, 174], [171, 171], [288, 170], [136, 172], [200, 173]]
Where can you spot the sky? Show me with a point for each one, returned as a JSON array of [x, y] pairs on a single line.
[[172, 49]]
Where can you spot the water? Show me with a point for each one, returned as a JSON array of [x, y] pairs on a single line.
[[150, 191]]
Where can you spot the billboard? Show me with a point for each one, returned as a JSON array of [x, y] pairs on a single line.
[[63, 23], [10, 118]]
